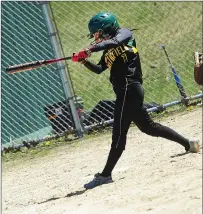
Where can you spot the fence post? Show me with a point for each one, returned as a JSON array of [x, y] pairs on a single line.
[[66, 87]]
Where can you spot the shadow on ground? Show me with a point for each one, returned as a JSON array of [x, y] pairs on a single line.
[[76, 193]]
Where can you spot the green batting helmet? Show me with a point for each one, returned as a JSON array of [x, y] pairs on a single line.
[[103, 22]]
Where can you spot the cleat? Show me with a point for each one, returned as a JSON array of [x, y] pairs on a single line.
[[97, 181], [194, 146]]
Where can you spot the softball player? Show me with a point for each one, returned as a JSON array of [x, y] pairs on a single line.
[[121, 57]]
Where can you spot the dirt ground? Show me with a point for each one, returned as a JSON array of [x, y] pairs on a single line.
[[153, 176]]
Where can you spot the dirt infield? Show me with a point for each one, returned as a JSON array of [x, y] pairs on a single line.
[[154, 175]]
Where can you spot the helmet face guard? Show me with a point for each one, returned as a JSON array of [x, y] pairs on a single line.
[[97, 37], [103, 23]]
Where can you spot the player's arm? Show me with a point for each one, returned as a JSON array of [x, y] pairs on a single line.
[[123, 36], [96, 68]]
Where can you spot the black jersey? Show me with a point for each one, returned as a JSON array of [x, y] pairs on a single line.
[[121, 57]]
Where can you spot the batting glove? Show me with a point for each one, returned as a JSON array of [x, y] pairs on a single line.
[[78, 57]]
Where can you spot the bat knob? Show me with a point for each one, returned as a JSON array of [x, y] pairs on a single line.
[[163, 46]]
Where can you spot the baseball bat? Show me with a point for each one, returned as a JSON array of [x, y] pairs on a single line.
[[31, 65], [176, 78]]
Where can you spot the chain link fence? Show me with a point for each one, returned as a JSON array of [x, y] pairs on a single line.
[[30, 100], [35, 103], [177, 25]]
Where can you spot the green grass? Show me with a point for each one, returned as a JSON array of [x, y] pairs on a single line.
[[176, 24]]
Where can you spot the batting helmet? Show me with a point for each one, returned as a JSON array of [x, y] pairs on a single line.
[[105, 23]]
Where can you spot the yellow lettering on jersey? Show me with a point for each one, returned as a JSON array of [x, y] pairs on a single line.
[[113, 53], [125, 58], [109, 60], [118, 51], [122, 49], [112, 57]]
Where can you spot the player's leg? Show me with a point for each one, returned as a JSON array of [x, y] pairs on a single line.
[[144, 122], [122, 121]]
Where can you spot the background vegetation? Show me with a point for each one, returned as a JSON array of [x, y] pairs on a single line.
[[176, 24]]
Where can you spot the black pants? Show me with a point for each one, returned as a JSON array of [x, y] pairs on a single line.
[[129, 108]]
